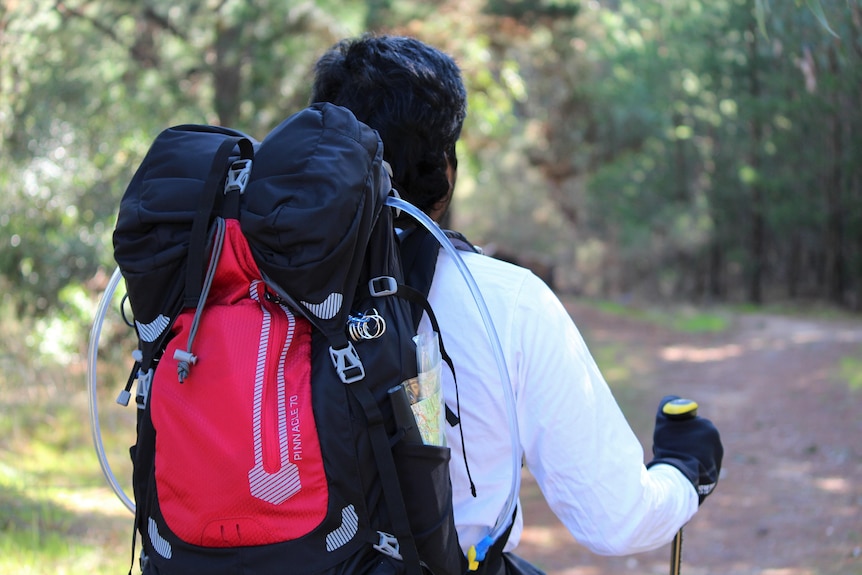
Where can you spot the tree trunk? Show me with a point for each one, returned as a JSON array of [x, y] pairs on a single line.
[[716, 271], [835, 267], [226, 74], [757, 231], [794, 266]]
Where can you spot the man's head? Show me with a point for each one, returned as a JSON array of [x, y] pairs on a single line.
[[413, 95]]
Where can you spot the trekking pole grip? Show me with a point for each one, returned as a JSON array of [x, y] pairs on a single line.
[[678, 410]]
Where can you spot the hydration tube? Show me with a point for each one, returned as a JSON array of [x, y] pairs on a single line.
[[506, 515], [92, 359]]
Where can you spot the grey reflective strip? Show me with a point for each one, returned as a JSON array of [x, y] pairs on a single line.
[[161, 546], [150, 332], [327, 308], [348, 529], [278, 486]]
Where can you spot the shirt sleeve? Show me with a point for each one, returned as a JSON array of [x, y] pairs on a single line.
[[578, 445]]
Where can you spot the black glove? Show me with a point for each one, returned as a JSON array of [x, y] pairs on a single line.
[[692, 445]]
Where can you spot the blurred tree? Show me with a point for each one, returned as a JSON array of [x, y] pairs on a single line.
[[709, 149], [85, 86], [740, 175]]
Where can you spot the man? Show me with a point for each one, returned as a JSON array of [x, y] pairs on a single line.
[[574, 438]]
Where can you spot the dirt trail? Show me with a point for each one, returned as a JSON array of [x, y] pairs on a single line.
[[790, 498]]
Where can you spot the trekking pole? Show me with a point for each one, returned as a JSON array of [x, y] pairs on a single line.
[[676, 553], [678, 409]]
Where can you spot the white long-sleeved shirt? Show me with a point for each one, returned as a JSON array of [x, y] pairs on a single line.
[[575, 440]]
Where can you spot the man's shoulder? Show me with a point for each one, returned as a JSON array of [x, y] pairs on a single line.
[[489, 272], [481, 261]]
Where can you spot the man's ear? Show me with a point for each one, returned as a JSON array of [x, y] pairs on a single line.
[[440, 211], [451, 174]]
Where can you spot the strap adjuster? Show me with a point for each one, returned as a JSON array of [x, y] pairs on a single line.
[[382, 286], [347, 363], [388, 545], [237, 176]]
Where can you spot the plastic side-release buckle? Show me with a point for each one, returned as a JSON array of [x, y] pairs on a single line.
[[476, 553], [135, 376], [145, 380], [472, 564], [347, 363], [388, 545], [383, 285], [237, 176]]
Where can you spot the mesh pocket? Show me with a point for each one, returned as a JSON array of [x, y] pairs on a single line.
[[423, 471]]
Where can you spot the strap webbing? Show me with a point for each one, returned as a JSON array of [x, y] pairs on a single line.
[[415, 296], [200, 225], [419, 250], [388, 477]]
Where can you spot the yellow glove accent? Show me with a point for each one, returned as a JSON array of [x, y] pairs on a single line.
[[680, 409]]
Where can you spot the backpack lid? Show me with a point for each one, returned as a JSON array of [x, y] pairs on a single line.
[[316, 189], [153, 231]]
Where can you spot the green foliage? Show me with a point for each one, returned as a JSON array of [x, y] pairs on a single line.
[[694, 149], [57, 514], [84, 88], [762, 10], [682, 319], [713, 170], [531, 11], [851, 372]]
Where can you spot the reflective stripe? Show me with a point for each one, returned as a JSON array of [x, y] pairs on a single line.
[[347, 530], [161, 546], [150, 332], [327, 308], [279, 486]]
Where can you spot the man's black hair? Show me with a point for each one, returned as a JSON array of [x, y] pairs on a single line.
[[412, 94]]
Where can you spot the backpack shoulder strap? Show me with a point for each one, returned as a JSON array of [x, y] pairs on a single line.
[[419, 250], [419, 259]]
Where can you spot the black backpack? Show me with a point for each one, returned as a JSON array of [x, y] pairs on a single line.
[[275, 332]]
